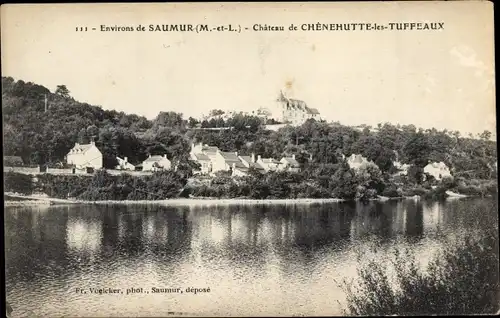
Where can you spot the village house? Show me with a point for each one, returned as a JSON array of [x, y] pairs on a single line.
[[357, 161], [294, 111], [402, 168], [123, 164], [205, 155], [227, 161], [85, 156], [438, 170], [156, 163], [269, 164], [290, 164], [209, 151], [251, 162], [204, 161]]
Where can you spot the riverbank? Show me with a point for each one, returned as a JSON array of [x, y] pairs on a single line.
[[21, 200]]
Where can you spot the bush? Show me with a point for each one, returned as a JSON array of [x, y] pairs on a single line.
[[18, 182], [463, 279]]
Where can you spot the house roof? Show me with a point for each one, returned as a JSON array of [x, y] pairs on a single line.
[[254, 165], [13, 159], [201, 156], [230, 158], [270, 160], [242, 169], [209, 149], [312, 111], [356, 159], [246, 159], [155, 159], [293, 163], [82, 148], [438, 165]]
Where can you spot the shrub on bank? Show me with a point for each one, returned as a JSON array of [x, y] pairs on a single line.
[[18, 182], [463, 279], [103, 186]]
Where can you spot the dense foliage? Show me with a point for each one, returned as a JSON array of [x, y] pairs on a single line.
[[103, 186], [18, 182]]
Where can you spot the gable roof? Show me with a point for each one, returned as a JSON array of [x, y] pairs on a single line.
[[293, 163], [201, 156], [155, 158], [254, 165], [246, 159], [209, 149], [357, 159], [270, 160], [81, 148], [312, 111], [230, 158], [13, 159]]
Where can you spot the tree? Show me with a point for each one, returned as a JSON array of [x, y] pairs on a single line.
[[192, 122], [417, 150], [62, 91]]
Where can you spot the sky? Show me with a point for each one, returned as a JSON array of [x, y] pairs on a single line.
[[442, 78]]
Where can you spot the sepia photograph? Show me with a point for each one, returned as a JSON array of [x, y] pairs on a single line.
[[250, 159]]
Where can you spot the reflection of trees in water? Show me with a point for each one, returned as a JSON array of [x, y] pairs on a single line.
[[160, 230], [414, 221], [293, 233], [373, 219], [473, 212], [386, 220], [35, 242], [238, 236]]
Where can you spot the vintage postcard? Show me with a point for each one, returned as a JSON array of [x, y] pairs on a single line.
[[250, 159]]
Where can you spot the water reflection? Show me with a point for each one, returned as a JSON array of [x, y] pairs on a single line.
[[264, 256]]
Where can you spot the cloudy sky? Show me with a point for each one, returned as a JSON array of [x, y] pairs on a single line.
[[441, 79]]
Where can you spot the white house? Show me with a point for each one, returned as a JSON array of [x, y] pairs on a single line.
[[227, 161], [204, 161], [290, 164], [84, 156], [357, 161], [402, 168], [251, 162], [204, 155], [269, 164], [155, 163], [438, 170], [123, 164]]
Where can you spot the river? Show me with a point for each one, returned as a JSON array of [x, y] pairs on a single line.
[[256, 260]]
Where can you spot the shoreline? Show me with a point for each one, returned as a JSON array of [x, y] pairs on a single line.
[[47, 201]]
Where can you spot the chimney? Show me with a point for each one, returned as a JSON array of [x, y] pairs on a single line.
[[253, 157], [293, 156], [125, 159], [149, 156], [165, 156], [258, 158], [77, 144], [236, 153]]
